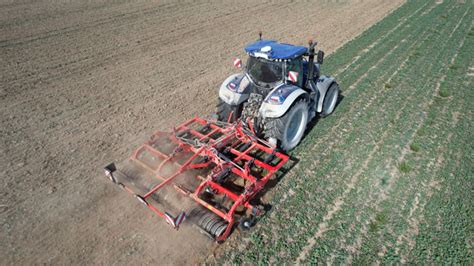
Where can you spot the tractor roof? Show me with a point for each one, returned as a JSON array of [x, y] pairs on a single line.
[[271, 49]]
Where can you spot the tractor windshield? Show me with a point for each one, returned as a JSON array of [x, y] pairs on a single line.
[[264, 71]]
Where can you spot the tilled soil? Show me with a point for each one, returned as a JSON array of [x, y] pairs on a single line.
[[83, 83]]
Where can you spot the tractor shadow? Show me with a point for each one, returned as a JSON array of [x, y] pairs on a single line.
[[315, 120]]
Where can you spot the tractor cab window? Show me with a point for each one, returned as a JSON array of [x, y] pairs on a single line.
[[264, 72], [295, 65]]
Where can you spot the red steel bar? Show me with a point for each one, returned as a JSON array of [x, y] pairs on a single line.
[[231, 135]]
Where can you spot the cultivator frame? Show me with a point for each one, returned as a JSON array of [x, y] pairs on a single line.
[[229, 154]]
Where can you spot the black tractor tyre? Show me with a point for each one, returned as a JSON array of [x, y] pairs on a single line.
[[289, 128], [224, 110], [330, 100]]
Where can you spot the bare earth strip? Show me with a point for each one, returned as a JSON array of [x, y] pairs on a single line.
[[84, 82]]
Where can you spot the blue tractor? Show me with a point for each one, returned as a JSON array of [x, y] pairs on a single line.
[[279, 91]]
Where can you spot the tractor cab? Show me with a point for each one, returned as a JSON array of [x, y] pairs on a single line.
[[271, 63]]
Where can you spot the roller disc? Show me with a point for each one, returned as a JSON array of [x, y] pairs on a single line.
[[204, 220], [220, 230], [216, 227], [208, 222], [211, 225]]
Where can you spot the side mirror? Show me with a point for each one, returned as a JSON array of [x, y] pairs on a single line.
[[238, 62], [320, 57]]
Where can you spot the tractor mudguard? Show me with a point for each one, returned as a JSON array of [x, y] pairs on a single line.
[[280, 99], [323, 84], [234, 90]]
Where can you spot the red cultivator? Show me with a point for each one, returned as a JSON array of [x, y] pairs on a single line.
[[205, 171]]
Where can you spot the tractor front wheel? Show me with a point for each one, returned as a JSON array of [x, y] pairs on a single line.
[[330, 100]]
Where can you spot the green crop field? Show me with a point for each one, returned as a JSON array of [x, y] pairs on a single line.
[[388, 177]]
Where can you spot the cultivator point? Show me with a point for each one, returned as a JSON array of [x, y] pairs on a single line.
[[205, 172]]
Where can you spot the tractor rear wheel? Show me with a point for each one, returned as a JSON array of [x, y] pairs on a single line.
[[289, 128], [225, 110], [330, 100]]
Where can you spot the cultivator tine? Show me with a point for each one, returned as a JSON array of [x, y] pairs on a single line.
[[169, 219], [181, 217], [141, 200], [175, 222], [109, 172]]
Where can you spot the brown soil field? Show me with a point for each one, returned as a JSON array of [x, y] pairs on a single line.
[[85, 82]]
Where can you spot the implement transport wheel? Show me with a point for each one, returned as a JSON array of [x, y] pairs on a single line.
[[330, 100], [289, 128], [246, 223], [225, 110]]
